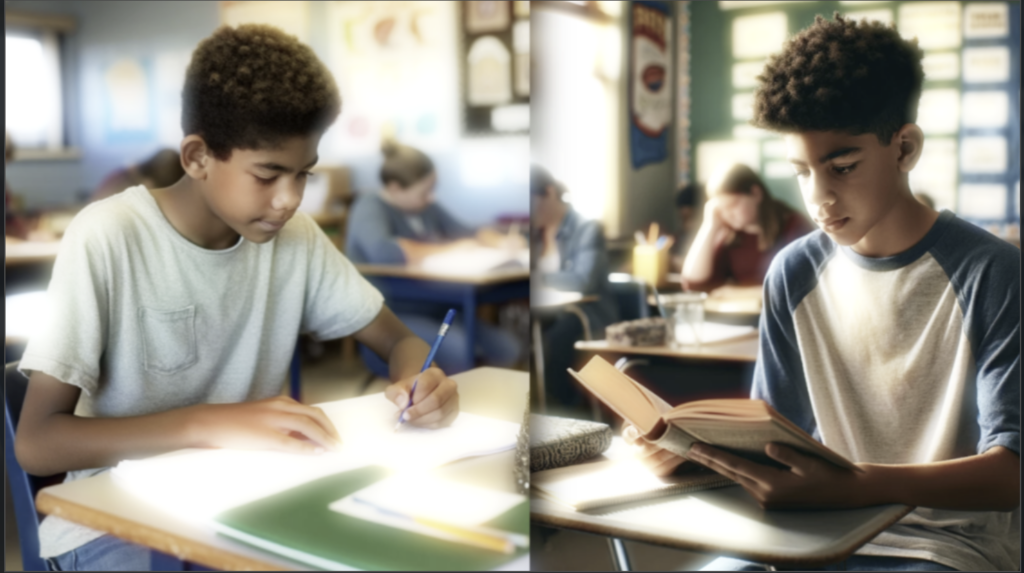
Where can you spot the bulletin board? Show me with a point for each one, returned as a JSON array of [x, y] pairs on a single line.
[[969, 109], [495, 64]]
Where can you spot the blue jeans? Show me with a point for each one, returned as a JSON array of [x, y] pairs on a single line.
[[106, 553], [854, 563]]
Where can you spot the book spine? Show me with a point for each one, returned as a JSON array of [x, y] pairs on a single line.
[[676, 440]]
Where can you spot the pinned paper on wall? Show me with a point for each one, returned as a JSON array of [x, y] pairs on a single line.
[[982, 201], [983, 154], [716, 156], [939, 66], [987, 65], [487, 16], [939, 111], [743, 106], [489, 81], [986, 109], [758, 36], [290, 17], [936, 172], [936, 25], [986, 20], [882, 15], [521, 48], [744, 74], [128, 100], [747, 131]]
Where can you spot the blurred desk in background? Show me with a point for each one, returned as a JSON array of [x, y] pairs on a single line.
[[22, 253], [547, 302], [413, 284]]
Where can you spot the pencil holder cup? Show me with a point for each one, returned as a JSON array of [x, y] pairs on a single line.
[[650, 264]]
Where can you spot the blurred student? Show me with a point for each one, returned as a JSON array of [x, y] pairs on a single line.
[[15, 226], [162, 169], [744, 228], [402, 224], [176, 310], [892, 335], [569, 255]]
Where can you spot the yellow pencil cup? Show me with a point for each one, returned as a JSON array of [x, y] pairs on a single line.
[[650, 264]]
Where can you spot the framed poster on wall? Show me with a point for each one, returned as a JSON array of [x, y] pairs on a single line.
[[650, 91]]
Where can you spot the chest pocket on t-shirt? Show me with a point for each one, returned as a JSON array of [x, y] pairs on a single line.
[[168, 339]]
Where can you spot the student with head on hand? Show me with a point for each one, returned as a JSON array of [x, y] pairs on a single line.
[[569, 254], [402, 224], [744, 228], [892, 335], [176, 310]]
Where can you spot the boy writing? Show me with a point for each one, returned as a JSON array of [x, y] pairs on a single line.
[[176, 310], [893, 335]]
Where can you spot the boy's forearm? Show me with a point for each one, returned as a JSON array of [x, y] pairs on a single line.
[[407, 357], [65, 442], [986, 482]]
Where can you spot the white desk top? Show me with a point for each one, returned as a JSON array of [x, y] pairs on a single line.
[[101, 503]]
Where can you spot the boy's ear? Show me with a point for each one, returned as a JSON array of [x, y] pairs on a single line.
[[910, 140], [195, 157]]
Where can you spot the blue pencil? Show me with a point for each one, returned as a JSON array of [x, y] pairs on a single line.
[[430, 358]]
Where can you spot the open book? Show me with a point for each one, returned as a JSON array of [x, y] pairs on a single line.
[[742, 427], [598, 485]]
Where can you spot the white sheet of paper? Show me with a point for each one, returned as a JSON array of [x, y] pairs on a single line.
[[475, 261], [936, 172], [938, 112], [597, 480], [759, 35], [987, 65], [367, 428], [983, 154], [434, 498], [986, 20], [712, 332], [985, 109], [941, 66], [936, 25], [982, 201]]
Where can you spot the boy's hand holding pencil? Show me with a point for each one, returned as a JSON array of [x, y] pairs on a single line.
[[435, 403]]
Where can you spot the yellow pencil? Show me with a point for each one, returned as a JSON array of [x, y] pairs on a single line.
[[479, 537]]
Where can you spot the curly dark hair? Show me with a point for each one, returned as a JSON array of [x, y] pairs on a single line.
[[249, 87], [841, 75]]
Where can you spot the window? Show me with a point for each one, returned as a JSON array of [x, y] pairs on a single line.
[[34, 110]]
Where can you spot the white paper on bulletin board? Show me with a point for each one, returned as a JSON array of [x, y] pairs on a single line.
[[744, 74], [758, 36], [985, 109], [986, 20], [397, 66], [716, 156], [744, 131], [982, 201], [743, 106], [936, 25], [291, 17], [936, 172], [940, 66], [983, 154], [939, 111], [883, 15], [987, 65]]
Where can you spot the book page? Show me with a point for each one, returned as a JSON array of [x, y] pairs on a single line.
[[619, 393], [748, 439]]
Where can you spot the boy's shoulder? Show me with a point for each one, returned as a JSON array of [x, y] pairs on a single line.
[[110, 218], [795, 268], [964, 244]]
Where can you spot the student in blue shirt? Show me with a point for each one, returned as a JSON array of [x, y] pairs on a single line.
[[403, 224], [568, 254], [892, 334]]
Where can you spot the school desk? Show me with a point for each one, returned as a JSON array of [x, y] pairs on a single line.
[[546, 302], [725, 521], [412, 284], [24, 253], [98, 502]]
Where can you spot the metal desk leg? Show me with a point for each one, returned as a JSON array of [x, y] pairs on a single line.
[[538, 365], [620, 559], [469, 322]]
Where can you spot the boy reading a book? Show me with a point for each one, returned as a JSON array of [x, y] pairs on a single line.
[[176, 310], [892, 335]]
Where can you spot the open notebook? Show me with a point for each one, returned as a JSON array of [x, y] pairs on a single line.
[[196, 484], [602, 484]]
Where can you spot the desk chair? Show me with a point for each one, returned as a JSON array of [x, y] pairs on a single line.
[[630, 296], [25, 486]]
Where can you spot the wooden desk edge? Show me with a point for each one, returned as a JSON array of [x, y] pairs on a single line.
[[404, 272], [567, 522], [707, 352], [181, 547]]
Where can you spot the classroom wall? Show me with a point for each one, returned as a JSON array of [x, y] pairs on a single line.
[[474, 180]]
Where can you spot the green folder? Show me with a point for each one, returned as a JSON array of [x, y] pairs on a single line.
[[297, 524]]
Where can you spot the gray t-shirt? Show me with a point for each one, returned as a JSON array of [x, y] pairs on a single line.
[[909, 359], [145, 321]]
